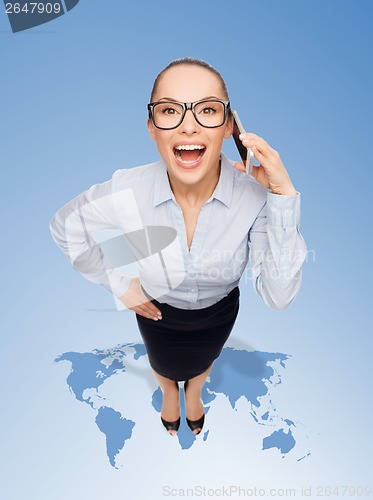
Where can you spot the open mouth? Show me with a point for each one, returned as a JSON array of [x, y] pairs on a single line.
[[188, 154]]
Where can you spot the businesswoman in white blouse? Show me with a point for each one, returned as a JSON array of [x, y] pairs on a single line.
[[221, 217]]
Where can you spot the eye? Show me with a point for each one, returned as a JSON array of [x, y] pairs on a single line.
[[208, 110], [168, 109]]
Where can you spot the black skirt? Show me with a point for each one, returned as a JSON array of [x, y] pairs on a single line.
[[185, 342]]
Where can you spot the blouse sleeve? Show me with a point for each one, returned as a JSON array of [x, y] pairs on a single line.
[[277, 250], [71, 228]]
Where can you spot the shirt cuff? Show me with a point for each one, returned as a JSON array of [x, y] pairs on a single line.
[[283, 211], [118, 283]]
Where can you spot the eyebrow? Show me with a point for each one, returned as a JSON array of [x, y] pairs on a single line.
[[175, 100]]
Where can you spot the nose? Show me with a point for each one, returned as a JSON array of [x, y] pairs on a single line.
[[189, 125]]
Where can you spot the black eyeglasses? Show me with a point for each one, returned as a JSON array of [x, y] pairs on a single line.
[[210, 113]]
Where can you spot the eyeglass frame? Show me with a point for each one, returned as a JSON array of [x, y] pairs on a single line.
[[186, 106]]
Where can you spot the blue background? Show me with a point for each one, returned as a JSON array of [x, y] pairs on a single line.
[[73, 109]]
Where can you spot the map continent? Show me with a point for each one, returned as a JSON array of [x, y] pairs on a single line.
[[236, 375]]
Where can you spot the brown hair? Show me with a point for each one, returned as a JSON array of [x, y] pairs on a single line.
[[188, 61]]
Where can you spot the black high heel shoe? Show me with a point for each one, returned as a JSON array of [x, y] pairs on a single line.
[[172, 426], [194, 424]]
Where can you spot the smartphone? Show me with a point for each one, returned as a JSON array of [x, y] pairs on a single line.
[[246, 154]]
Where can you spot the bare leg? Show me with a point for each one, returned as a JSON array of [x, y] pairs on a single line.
[[170, 405], [194, 408]]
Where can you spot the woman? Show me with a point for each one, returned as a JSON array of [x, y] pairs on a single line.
[[220, 217]]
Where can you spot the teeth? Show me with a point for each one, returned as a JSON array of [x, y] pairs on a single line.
[[188, 162], [189, 147]]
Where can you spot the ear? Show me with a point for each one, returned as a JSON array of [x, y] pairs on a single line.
[[228, 127], [151, 129]]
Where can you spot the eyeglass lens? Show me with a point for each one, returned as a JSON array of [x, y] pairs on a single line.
[[170, 114]]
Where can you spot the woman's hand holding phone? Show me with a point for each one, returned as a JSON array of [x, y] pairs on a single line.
[[270, 172]]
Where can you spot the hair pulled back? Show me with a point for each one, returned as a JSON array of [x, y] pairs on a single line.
[[188, 61]]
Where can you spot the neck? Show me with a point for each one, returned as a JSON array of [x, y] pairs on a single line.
[[196, 194]]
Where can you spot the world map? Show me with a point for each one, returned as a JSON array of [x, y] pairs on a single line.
[[236, 374]]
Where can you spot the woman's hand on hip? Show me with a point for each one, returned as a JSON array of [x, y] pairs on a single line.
[[136, 300], [271, 172]]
